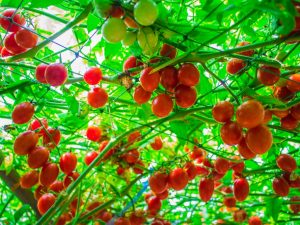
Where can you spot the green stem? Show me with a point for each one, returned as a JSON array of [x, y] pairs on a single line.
[[32, 52]]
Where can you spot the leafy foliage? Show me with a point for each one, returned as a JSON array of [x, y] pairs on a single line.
[[205, 33]]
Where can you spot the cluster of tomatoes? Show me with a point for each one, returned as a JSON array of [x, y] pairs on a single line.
[[177, 83], [18, 40], [122, 26], [199, 165], [54, 74], [97, 96], [250, 115], [281, 185], [43, 171], [128, 158]]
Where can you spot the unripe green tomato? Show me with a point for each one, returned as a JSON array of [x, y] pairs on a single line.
[[148, 40], [168, 34], [102, 7], [129, 38], [114, 30], [145, 12]]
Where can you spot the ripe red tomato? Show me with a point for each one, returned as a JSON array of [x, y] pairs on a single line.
[[254, 220], [281, 186], [134, 136], [5, 53], [132, 62], [136, 167], [295, 207], [238, 167], [57, 186], [22, 113], [90, 157], [188, 74], [70, 178], [11, 44], [122, 221], [206, 189], [6, 23], [268, 116], [185, 96], [196, 153], [246, 53], [229, 202], [286, 163], [169, 77], [293, 84], [231, 133], [281, 113], [38, 157], [162, 105], [56, 74], [295, 111], [244, 150], [51, 138], [283, 93], [154, 204], [268, 75], [68, 162], [191, 170], [221, 165], [141, 96], [164, 195], [97, 97], [223, 111], [26, 39], [45, 202], [40, 73], [235, 66], [239, 215], [200, 170], [289, 122], [131, 156], [158, 182], [178, 179], [35, 124], [48, 174], [93, 76], [117, 11], [25, 142], [109, 153], [259, 139], [250, 114], [149, 81], [39, 191], [105, 216], [168, 51], [29, 179], [157, 144], [241, 189], [136, 219], [93, 133]]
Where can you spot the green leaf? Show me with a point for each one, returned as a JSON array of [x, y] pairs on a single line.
[[177, 127], [92, 22], [73, 104], [13, 3], [273, 207], [19, 213], [44, 3]]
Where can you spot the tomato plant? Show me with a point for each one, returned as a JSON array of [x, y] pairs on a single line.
[[149, 112]]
